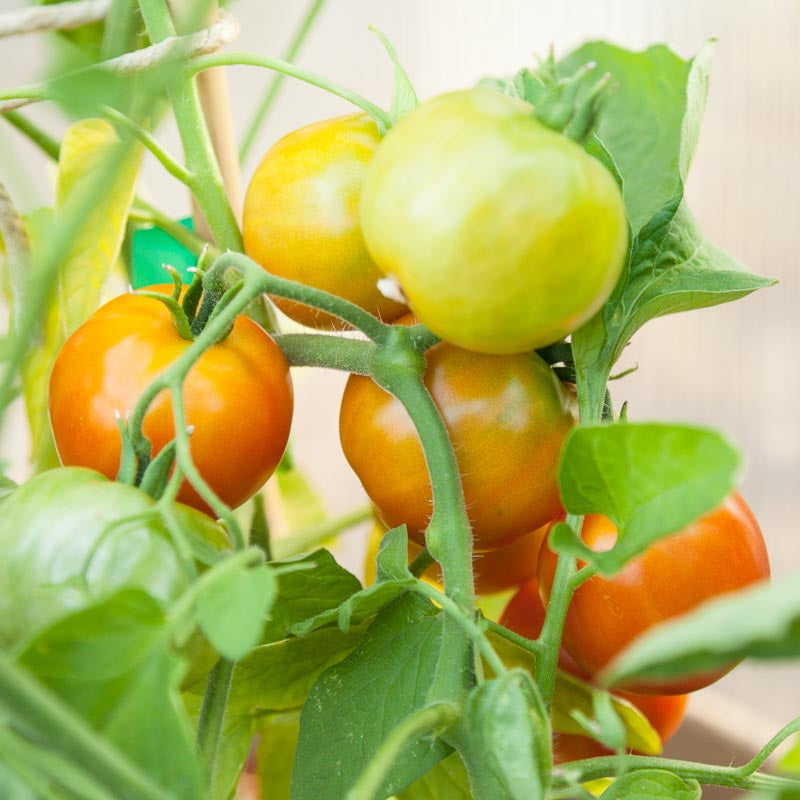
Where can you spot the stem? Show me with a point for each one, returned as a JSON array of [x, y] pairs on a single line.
[[212, 713], [534, 647], [46, 143], [436, 717], [708, 774], [143, 211], [41, 712], [423, 560], [277, 80], [384, 119], [304, 540], [769, 748], [208, 186], [330, 352], [473, 630]]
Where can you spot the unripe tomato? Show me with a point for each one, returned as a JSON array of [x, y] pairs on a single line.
[[237, 396], [301, 217], [504, 235], [65, 543], [722, 552], [495, 570], [524, 615], [507, 417]]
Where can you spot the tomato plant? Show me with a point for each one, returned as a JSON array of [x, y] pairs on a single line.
[[507, 417], [722, 552], [301, 216], [238, 396], [518, 240]]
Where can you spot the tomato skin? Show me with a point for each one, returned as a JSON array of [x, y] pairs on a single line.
[[54, 530], [507, 417], [237, 396], [301, 217], [722, 552], [524, 615], [504, 235]]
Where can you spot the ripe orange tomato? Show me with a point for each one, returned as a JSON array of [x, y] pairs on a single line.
[[301, 217], [524, 615], [722, 552], [238, 396], [507, 417]]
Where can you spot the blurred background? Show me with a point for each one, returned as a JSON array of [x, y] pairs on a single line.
[[734, 367]]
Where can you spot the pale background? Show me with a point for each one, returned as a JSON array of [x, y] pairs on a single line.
[[733, 367]]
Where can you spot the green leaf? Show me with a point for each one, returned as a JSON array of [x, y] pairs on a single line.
[[404, 98], [760, 622], [506, 747], [653, 84], [301, 504], [392, 558], [355, 705], [672, 268], [652, 784], [791, 761], [307, 593], [113, 664], [649, 479], [280, 675], [448, 779], [232, 608], [574, 695], [275, 754]]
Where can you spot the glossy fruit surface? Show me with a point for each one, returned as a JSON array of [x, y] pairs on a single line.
[[237, 396], [722, 552], [301, 216], [507, 417], [504, 235], [69, 537], [524, 615]]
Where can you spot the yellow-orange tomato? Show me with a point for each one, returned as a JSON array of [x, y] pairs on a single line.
[[524, 615], [722, 552], [301, 216], [507, 417], [237, 397], [495, 570]]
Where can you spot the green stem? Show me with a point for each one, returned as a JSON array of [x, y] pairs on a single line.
[[143, 211], [329, 352], [37, 710], [530, 645], [431, 719], [208, 185], [472, 629], [278, 78], [383, 118], [769, 748], [212, 714], [305, 540], [707, 774], [423, 560], [46, 143]]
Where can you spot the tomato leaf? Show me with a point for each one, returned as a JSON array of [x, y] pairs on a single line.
[[652, 784], [356, 704], [761, 622], [404, 98], [448, 779], [278, 676], [650, 479], [307, 593], [506, 748], [232, 609], [112, 663], [574, 695]]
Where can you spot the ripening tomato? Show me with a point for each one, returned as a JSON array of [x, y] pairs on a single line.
[[524, 615], [507, 417], [237, 397], [504, 235], [301, 217], [494, 571], [722, 552]]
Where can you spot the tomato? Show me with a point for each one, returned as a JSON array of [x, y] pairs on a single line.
[[64, 545], [301, 217], [503, 234], [524, 615], [722, 552], [238, 396], [507, 417], [495, 570]]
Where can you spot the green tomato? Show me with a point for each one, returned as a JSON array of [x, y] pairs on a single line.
[[503, 234], [70, 537]]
